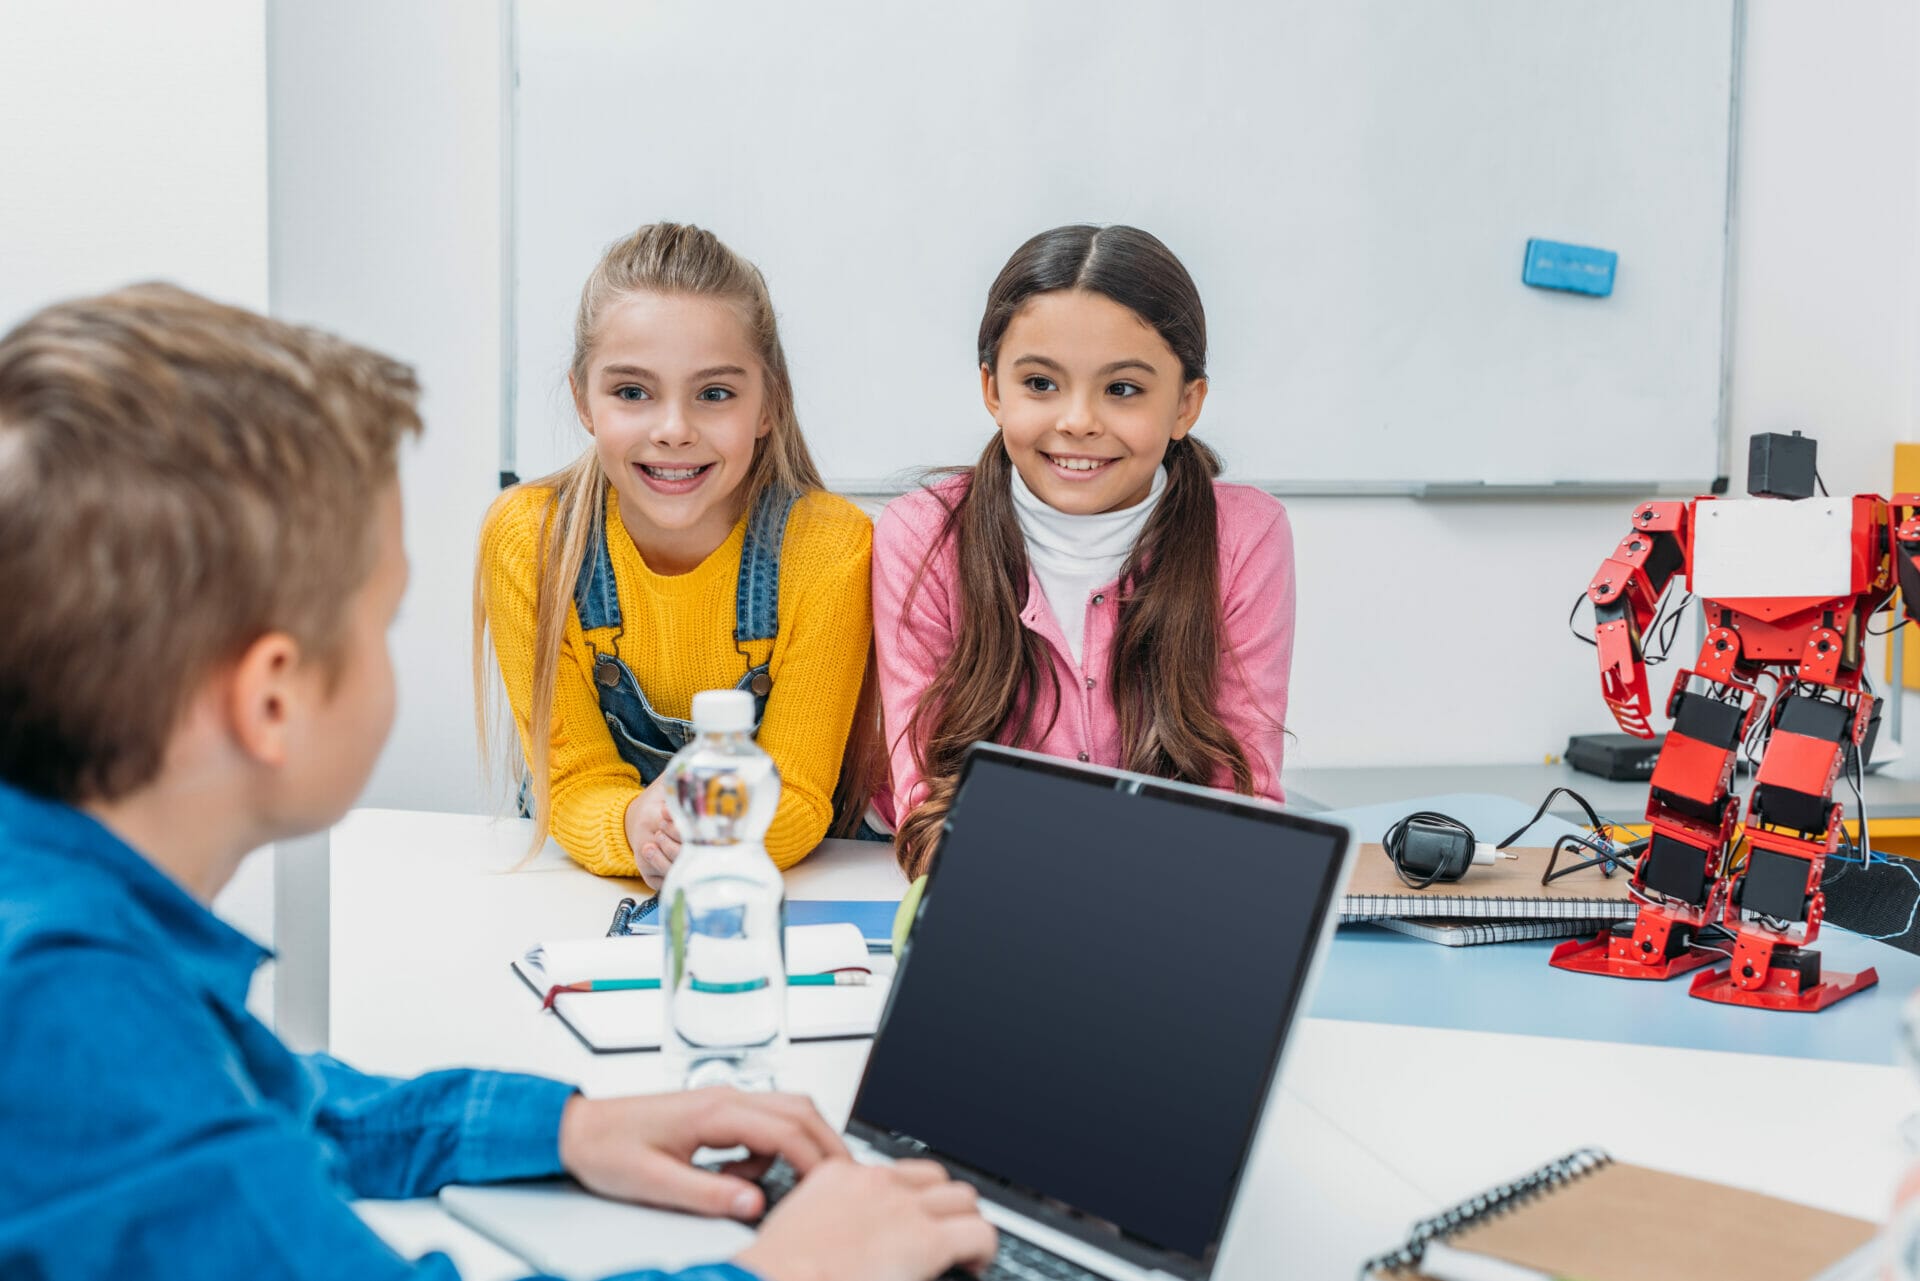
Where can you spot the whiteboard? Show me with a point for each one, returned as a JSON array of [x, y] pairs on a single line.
[[1351, 184]]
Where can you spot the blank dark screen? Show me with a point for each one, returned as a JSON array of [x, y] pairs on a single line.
[[1095, 994]]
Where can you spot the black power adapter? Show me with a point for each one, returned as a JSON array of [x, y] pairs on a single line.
[[1427, 848]]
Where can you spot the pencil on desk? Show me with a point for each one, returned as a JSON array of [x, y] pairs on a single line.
[[837, 978]]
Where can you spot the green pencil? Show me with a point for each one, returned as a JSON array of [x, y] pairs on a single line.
[[852, 978]]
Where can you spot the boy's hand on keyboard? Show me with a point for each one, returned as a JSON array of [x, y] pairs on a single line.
[[847, 1222], [641, 1148]]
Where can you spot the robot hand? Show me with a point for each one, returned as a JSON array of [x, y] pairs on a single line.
[[1626, 596], [1623, 679]]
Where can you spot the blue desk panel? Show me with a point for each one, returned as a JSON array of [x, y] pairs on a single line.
[[1375, 975]]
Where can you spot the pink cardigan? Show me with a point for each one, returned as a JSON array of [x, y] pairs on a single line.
[[913, 639]]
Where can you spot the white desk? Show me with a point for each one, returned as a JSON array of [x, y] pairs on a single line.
[[426, 917]]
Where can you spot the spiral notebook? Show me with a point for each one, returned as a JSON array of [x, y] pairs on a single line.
[[1507, 890], [1591, 1217], [1451, 932]]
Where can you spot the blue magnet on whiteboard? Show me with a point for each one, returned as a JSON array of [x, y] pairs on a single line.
[[1577, 268]]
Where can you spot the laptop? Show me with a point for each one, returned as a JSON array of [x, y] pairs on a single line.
[[1088, 1018]]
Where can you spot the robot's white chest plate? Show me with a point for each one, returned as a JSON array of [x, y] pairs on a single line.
[[1752, 547]]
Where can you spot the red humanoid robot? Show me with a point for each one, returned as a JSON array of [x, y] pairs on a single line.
[[1788, 582]]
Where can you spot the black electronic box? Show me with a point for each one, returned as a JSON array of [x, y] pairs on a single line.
[[1620, 757]]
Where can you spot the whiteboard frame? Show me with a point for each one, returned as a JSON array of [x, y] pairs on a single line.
[[890, 487]]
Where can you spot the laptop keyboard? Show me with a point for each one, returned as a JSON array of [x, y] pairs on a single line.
[[1016, 1260]]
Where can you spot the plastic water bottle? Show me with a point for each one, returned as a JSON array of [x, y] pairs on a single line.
[[723, 906]]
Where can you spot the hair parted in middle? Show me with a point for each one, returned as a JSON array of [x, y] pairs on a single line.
[[674, 259], [1164, 677]]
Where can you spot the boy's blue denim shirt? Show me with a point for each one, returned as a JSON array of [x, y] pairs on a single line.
[[151, 1127]]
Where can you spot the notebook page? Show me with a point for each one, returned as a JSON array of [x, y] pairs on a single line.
[[1628, 1223]]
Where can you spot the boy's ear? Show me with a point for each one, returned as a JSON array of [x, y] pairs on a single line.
[[990, 391], [261, 696], [580, 403], [1187, 412]]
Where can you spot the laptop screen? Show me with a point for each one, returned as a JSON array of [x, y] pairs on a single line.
[[1097, 990]]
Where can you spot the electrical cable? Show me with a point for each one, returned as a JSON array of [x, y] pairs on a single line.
[[1593, 819], [1888, 608], [1577, 634], [1913, 912], [1606, 856], [1428, 847], [1668, 623]]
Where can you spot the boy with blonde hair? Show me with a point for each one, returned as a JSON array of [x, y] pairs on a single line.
[[200, 556]]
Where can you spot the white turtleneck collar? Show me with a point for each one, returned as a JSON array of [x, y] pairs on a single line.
[[1072, 555]]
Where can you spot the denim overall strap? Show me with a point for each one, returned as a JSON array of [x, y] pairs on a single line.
[[756, 595], [645, 739], [594, 593], [756, 601]]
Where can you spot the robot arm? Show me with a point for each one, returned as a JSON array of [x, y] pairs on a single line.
[[1626, 597]]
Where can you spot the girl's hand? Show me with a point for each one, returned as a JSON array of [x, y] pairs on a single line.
[[651, 834]]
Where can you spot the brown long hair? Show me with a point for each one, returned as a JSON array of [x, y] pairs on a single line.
[[999, 679], [666, 258]]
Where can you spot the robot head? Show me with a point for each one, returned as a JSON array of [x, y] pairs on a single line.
[[1780, 466]]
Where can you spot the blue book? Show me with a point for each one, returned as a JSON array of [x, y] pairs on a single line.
[[873, 916]]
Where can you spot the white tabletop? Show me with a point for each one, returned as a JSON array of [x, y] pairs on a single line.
[[428, 911]]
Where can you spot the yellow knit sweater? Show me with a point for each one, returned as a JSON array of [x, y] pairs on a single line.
[[678, 639]]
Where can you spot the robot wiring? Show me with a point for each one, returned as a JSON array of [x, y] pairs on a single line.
[[1888, 608], [1663, 632]]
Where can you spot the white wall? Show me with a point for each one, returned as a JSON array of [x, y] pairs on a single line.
[[1827, 328], [386, 128], [1437, 633], [1429, 631], [133, 146]]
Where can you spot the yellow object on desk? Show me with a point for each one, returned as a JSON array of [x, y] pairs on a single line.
[[903, 919]]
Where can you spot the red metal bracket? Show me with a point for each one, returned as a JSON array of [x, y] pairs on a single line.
[[1781, 990]]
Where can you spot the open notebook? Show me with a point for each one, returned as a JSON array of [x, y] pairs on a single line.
[[1509, 889], [611, 1021], [1590, 1217]]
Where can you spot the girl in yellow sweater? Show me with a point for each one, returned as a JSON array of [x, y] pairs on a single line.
[[692, 547]]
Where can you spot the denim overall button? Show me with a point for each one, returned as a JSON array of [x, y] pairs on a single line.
[[761, 684], [606, 671]]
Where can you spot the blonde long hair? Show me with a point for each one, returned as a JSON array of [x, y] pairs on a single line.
[[665, 258]]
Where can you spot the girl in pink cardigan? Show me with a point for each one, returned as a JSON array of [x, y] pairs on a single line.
[[1088, 588]]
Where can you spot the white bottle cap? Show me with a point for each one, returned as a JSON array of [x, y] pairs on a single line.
[[723, 711]]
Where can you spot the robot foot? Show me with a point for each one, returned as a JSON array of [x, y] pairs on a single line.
[[1622, 953], [1793, 983]]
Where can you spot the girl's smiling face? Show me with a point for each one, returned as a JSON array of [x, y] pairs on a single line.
[[1088, 397], [675, 401]]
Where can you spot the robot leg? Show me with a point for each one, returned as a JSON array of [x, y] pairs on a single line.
[[1776, 904]]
